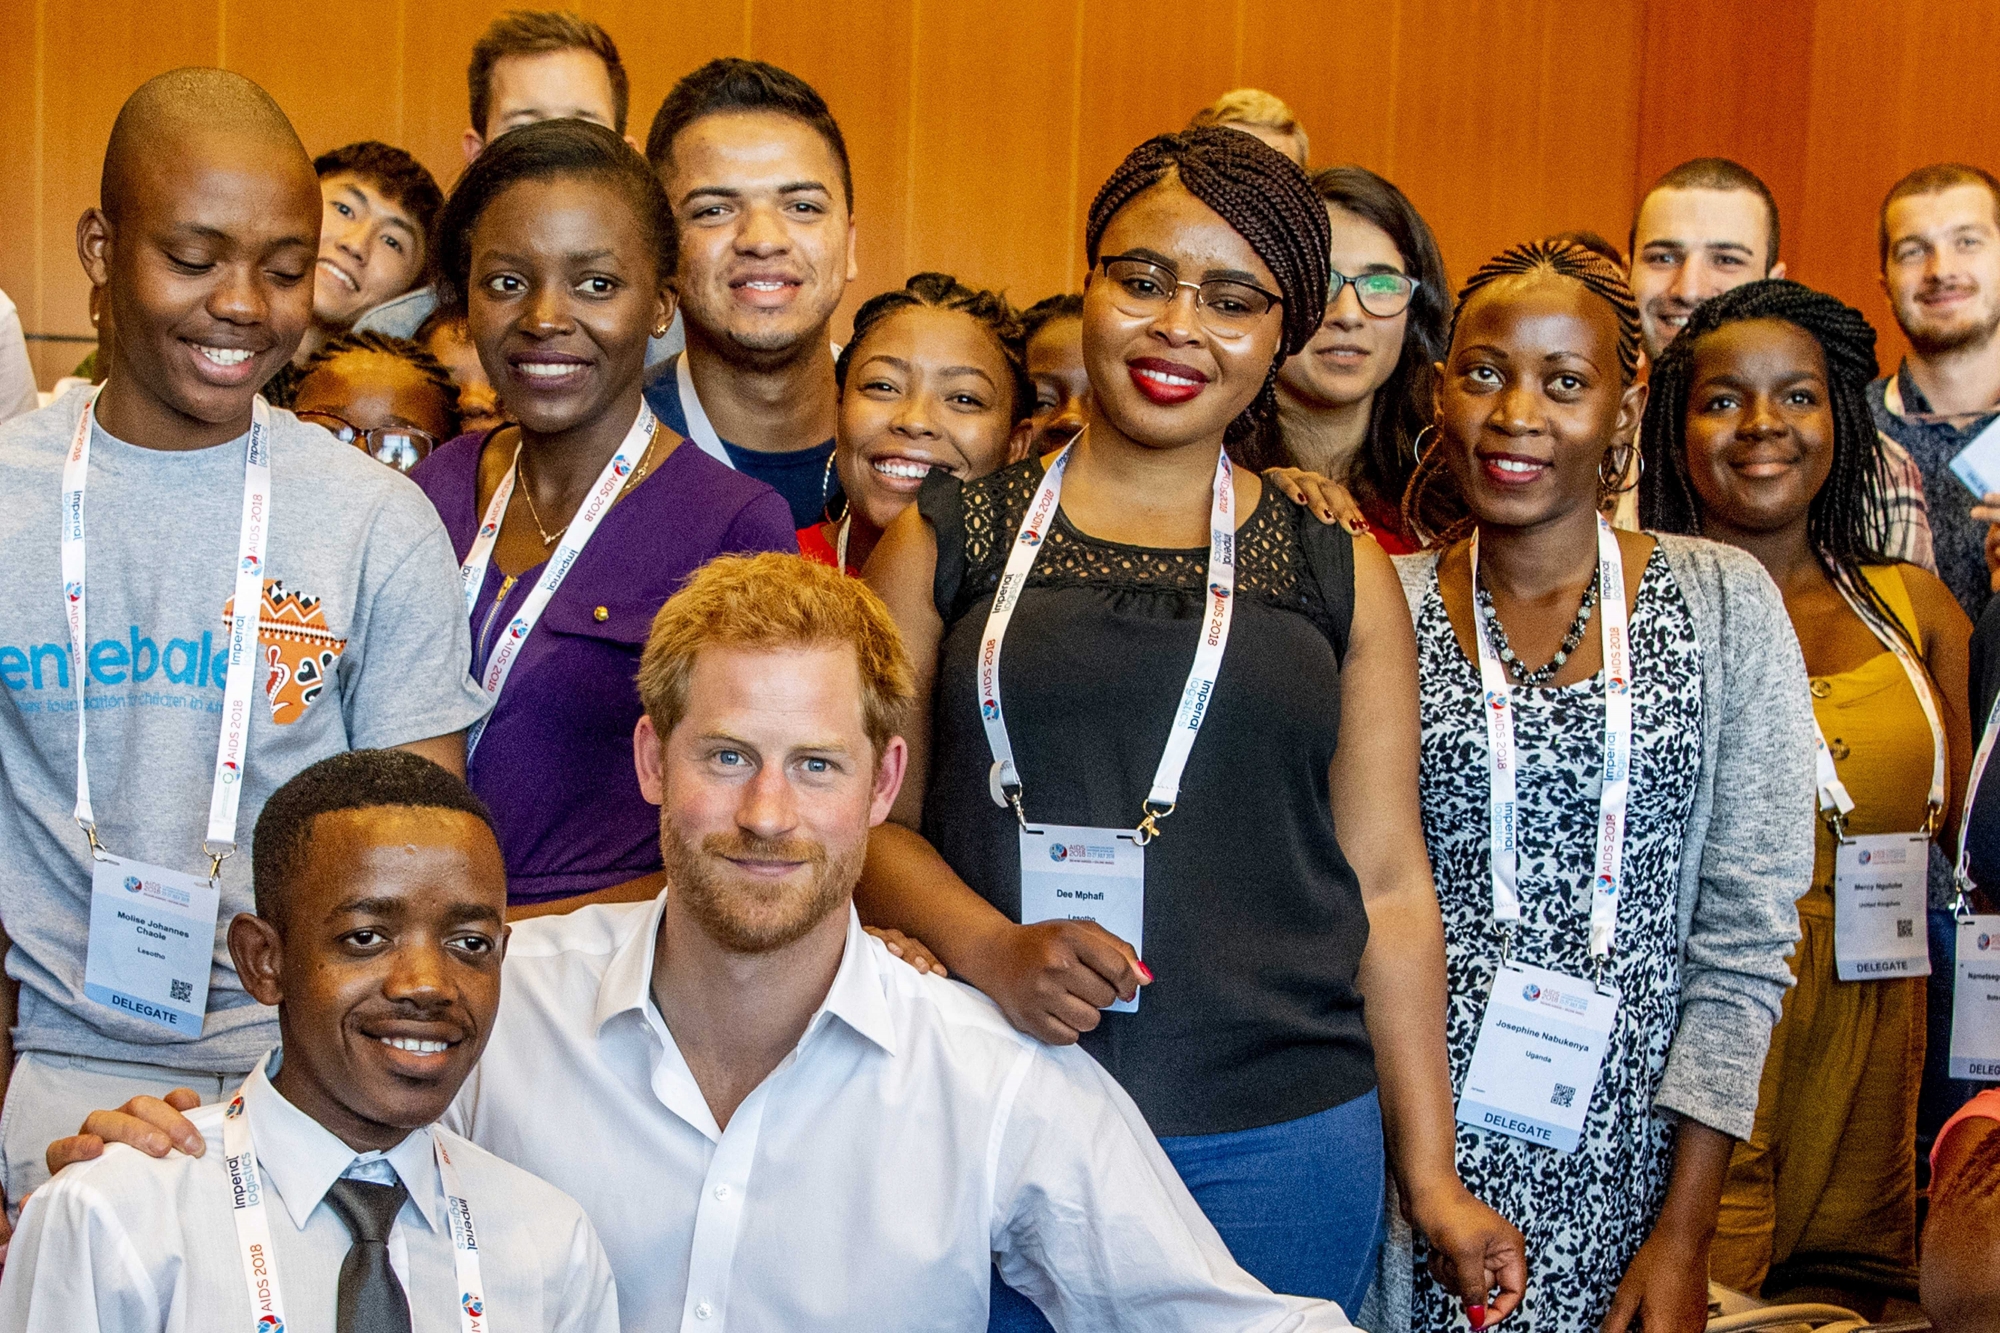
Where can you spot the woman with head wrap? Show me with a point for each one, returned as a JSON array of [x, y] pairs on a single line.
[[1205, 721], [1759, 435], [1615, 772]]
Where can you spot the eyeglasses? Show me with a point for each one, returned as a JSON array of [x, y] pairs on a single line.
[[401, 447], [1228, 307], [1383, 295]]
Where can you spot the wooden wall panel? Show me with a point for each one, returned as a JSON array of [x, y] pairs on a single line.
[[979, 136], [858, 57], [1520, 119], [1895, 86], [1715, 86], [992, 187]]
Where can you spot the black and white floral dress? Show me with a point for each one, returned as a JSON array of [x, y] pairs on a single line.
[[1585, 1213]]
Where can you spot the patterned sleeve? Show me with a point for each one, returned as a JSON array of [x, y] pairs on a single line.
[[1906, 520]]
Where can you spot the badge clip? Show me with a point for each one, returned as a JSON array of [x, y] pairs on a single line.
[[1149, 827]]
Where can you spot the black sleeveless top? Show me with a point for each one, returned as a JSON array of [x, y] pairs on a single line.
[[1254, 921]]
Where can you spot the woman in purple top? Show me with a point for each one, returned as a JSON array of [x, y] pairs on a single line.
[[574, 526]]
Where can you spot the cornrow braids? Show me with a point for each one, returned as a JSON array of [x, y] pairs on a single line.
[[383, 344], [941, 291], [1432, 507], [1271, 203], [1845, 524]]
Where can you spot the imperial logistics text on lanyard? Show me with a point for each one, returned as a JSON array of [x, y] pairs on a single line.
[[1880, 879], [1975, 997], [152, 928], [472, 573], [1098, 874], [253, 1229], [1543, 1038]]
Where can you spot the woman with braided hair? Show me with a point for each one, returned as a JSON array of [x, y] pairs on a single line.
[[1250, 886], [933, 380], [1615, 773], [384, 395], [1759, 435]]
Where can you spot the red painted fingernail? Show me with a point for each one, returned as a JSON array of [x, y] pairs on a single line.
[[1477, 1314], [1144, 971]]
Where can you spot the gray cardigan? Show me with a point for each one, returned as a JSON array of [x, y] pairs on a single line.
[[1748, 853]]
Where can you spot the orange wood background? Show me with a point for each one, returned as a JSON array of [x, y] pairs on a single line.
[[980, 131]]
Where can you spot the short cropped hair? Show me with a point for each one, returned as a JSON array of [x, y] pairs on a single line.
[[734, 84], [1254, 106], [1934, 179], [775, 601], [354, 780], [398, 177], [1715, 173], [530, 32]]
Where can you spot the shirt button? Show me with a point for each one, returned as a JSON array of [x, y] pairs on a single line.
[[1820, 688], [703, 1310], [722, 1191], [601, 614]]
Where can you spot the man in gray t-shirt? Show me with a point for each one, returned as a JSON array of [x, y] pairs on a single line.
[[204, 243]]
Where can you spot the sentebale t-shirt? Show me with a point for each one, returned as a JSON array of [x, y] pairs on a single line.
[[361, 643]]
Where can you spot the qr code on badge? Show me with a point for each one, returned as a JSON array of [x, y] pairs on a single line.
[[1906, 928], [1563, 1096], [181, 990]]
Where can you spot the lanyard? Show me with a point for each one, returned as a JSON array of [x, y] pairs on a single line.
[[1979, 758], [226, 793], [253, 1229], [472, 573], [1832, 791], [1503, 815], [1005, 779], [700, 429]]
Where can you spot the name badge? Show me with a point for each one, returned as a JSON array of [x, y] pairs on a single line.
[[1878, 906], [152, 937], [1535, 1064], [1975, 1001], [1072, 873]]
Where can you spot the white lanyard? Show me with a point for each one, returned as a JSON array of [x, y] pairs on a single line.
[[472, 573], [1832, 791], [700, 429], [1503, 814], [253, 1229], [1005, 779], [1979, 758], [226, 792]]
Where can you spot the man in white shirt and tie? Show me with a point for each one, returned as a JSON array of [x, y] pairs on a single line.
[[328, 1201], [774, 1123]]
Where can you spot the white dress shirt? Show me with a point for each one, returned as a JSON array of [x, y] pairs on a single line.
[[912, 1138], [128, 1244]]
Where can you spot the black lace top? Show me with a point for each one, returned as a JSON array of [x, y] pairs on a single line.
[[1254, 922]]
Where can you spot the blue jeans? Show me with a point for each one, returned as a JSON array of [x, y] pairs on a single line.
[[1299, 1205]]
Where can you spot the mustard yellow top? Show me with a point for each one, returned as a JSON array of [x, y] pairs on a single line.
[[1882, 746]]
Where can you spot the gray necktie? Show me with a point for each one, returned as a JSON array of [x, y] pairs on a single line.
[[371, 1300]]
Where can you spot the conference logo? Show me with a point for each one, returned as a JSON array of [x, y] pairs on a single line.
[[1058, 852], [1866, 856], [1531, 992], [1029, 537], [235, 1108], [270, 1323], [519, 629], [1082, 853], [1496, 700], [1218, 590], [133, 885], [1606, 885], [1985, 942], [990, 710], [251, 564], [73, 590], [489, 529], [472, 1305], [231, 772], [620, 466], [1619, 685]]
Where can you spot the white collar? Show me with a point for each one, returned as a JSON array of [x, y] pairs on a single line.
[[302, 1158], [858, 995]]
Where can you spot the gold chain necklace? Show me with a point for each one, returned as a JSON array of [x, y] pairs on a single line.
[[528, 489]]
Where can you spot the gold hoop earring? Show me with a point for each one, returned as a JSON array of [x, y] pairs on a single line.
[[1417, 444]]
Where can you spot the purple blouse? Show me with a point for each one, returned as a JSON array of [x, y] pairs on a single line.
[[555, 762]]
